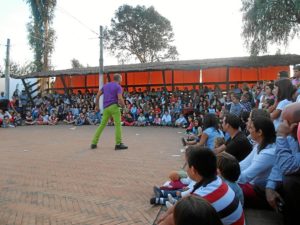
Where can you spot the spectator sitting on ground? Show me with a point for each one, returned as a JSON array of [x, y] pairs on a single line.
[[189, 129], [245, 102], [69, 119], [81, 120], [6, 122], [283, 91], [237, 145], [163, 196], [202, 167], [157, 120], [17, 119], [256, 167], [141, 121], [42, 119], [53, 119], [194, 210], [229, 170], [92, 118], [210, 131], [284, 178], [29, 119], [194, 136], [267, 95], [235, 107], [127, 119], [181, 121], [166, 119]]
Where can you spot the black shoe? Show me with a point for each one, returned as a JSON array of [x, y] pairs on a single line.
[[183, 141], [158, 193], [153, 201], [121, 146], [93, 146]]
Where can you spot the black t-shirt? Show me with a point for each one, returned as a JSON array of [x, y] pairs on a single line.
[[239, 146]]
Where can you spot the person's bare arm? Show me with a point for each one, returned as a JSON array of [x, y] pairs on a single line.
[[97, 100], [203, 139], [220, 149], [121, 100], [275, 114]]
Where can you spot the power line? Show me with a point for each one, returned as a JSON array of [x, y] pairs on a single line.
[[69, 14]]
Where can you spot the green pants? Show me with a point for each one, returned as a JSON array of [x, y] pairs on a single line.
[[110, 111]]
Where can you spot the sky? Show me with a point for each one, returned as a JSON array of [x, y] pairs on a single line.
[[203, 29]]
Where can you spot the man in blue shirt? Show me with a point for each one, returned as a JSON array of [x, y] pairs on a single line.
[[286, 171]]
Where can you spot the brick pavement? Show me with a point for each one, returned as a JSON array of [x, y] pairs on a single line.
[[49, 176]]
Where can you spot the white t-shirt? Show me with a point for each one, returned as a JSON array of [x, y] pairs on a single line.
[[298, 98], [281, 105]]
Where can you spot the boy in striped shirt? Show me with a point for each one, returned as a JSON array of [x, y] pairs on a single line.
[[202, 167]]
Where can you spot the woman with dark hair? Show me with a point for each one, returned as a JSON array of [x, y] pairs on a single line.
[[210, 131], [256, 167], [194, 210], [268, 94], [283, 90]]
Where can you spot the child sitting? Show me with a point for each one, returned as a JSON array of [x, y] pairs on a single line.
[[194, 136], [174, 183], [228, 169], [202, 167], [29, 119], [193, 210], [163, 196]]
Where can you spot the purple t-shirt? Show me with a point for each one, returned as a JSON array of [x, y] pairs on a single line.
[[110, 92]]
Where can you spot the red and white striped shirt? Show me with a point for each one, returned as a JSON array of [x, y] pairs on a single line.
[[224, 200]]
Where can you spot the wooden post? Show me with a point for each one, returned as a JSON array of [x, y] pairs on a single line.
[[126, 82], [85, 83], [108, 77], [66, 89], [173, 87], [164, 79], [27, 91], [227, 79]]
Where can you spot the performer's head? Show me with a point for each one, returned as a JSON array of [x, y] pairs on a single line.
[[118, 77]]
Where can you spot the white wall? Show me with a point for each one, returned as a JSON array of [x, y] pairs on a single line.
[[13, 84]]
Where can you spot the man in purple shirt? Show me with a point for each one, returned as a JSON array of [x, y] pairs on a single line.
[[112, 99]]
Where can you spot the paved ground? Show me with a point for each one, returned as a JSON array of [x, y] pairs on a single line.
[[49, 176]]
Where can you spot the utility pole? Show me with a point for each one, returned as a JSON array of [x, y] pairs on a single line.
[[7, 69], [101, 67]]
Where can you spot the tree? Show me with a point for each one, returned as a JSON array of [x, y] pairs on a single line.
[[40, 33], [141, 32], [76, 64], [268, 22], [1, 72], [19, 70]]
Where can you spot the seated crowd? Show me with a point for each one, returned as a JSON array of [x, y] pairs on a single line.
[[242, 149], [253, 157]]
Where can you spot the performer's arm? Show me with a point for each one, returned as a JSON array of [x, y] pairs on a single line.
[[97, 100], [121, 100]]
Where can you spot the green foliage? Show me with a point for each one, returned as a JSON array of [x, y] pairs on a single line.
[[141, 32], [1, 72], [41, 35], [19, 70], [268, 22], [76, 64]]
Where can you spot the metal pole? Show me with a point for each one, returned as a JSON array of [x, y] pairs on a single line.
[[101, 67], [7, 69]]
